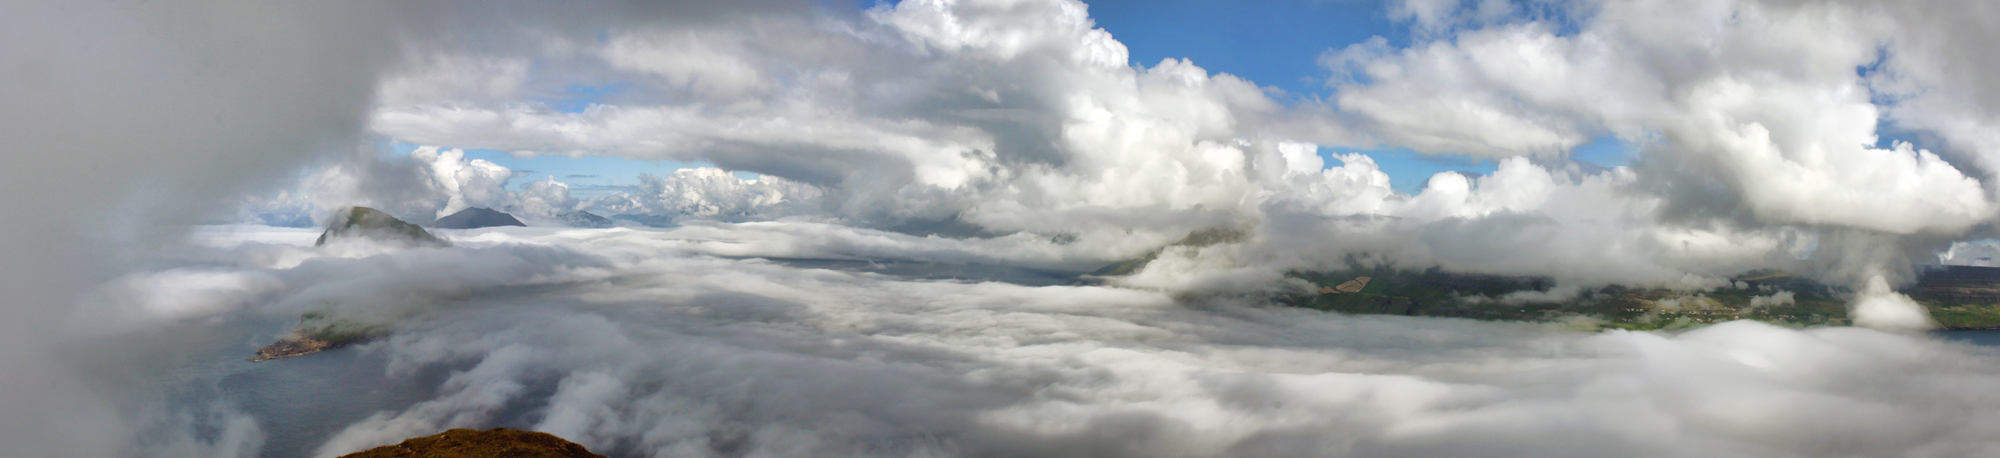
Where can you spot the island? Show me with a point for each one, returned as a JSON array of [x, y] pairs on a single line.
[[318, 332]]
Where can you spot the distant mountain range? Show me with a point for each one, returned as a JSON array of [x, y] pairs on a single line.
[[581, 218], [648, 220]]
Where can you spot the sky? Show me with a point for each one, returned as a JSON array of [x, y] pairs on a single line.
[[1276, 44], [840, 218], [1687, 144]]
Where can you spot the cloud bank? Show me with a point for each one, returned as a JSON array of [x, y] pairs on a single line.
[[1757, 126], [647, 343]]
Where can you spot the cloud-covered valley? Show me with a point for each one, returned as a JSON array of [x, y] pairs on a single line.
[[647, 343]]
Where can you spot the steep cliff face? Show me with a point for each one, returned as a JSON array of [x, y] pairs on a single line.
[[372, 223], [496, 442]]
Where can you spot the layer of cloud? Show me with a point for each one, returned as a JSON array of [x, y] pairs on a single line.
[[637, 343]]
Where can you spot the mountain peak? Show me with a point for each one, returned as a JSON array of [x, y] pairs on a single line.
[[476, 217], [367, 222]]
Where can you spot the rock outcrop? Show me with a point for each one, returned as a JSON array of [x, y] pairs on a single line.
[[476, 217], [371, 223], [467, 443]]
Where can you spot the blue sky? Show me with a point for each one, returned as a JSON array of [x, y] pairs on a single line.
[[1274, 43], [1277, 43], [587, 176]]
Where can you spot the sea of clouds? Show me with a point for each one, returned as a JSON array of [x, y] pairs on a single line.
[[682, 342], [1028, 132]]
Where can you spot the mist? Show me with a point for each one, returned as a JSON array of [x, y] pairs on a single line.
[[643, 343]]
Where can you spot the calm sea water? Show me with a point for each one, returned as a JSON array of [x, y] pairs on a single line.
[[1983, 337]]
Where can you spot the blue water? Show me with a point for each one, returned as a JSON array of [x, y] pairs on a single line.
[[1982, 337], [299, 402]]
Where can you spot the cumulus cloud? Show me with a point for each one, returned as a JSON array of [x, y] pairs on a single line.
[[1880, 307], [1763, 97], [1749, 117], [1024, 117], [427, 184], [709, 192], [1013, 117], [1756, 135]]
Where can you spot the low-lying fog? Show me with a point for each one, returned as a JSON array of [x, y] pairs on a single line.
[[672, 343]]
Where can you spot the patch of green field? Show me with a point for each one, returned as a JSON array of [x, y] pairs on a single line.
[[1965, 316]]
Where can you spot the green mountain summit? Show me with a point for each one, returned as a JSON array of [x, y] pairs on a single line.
[[375, 224]]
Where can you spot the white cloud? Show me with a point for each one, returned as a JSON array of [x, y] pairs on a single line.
[[1021, 117], [543, 199], [430, 183], [1754, 129], [1883, 308], [1984, 253], [646, 348], [709, 191], [711, 64], [1012, 115], [1764, 97]]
